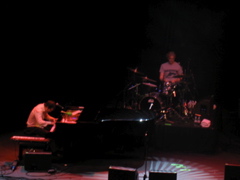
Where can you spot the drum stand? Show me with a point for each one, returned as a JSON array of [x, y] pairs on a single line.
[[168, 109], [163, 116], [164, 111]]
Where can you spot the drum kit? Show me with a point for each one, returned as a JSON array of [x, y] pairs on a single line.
[[143, 93]]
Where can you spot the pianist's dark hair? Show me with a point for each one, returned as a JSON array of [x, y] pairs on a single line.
[[50, 104]]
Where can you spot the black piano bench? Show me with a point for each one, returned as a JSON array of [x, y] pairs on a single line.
[[30, 142]]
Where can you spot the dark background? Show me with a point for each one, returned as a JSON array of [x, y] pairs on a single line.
[[78, 53]]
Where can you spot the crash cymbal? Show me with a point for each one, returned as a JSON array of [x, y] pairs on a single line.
[[135, 71], [147, 79]]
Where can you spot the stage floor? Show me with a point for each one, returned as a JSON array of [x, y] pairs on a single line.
[[187, 164]]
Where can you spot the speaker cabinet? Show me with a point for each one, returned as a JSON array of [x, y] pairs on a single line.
[[232, 172], [37, 161], [162, 175], [205, 108], [122, 173]]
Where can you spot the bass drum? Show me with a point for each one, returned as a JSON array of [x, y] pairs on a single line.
[[151, 102]]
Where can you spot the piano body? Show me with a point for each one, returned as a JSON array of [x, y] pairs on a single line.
[[110, 129], [125, 129]]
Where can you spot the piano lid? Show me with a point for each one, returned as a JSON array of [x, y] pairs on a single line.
[[127, 120], [124, 115]]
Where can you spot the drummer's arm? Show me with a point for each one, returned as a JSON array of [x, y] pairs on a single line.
[[180, 79], [176, 80], [161, 76]]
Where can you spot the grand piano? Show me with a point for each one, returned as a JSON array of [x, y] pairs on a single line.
[[100, 131]]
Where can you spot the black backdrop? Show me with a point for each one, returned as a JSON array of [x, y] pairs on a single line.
[[79, 53]]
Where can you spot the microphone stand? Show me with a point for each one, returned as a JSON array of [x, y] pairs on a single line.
[[145, 153], [149, 127]]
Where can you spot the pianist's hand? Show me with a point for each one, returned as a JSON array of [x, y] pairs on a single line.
[[54, 120]]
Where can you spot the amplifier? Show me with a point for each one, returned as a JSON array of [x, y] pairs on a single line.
[[122, 173], [163, 175], [37, 161], [232, 172]]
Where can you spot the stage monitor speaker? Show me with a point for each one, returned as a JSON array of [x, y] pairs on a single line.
[[162, 175], [205, 108], [232, 172], [37, 161], [122, 173]]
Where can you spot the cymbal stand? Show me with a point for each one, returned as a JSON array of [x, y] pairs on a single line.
[[130, 96], [186, 97], [133, 89], [124, 94], [196, 93]]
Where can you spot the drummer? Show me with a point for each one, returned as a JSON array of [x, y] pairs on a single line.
[[170, 71]]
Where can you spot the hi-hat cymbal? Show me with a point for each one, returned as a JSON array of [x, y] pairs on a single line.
[[147, 79], [135, 71]]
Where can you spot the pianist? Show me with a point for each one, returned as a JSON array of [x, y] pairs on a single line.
[[38, 124], [39, 120]]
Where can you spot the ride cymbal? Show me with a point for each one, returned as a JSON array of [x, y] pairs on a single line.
[[135, 71]]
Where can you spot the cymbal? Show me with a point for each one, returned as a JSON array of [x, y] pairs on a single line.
[[135, 71], [147, 79]]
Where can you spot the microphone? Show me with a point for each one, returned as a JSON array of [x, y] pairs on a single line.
[[57, 104], [14, 165], [68, 113]]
